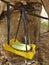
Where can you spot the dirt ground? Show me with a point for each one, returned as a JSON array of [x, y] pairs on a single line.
[[44, 48]]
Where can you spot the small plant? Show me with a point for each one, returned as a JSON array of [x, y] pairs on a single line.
[[43, 64], [44, 24]]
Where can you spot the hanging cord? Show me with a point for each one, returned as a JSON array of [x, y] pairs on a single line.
[[17, 29], [37, 15], [25, 25], [25, 28], [8, 21]]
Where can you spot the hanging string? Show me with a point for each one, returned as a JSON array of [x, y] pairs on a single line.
[[17, 29], [8, 21]]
